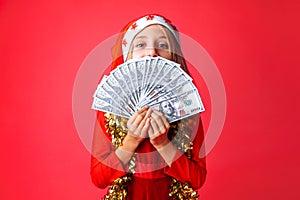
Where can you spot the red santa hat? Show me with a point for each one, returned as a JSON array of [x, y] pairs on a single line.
[[121, 49]]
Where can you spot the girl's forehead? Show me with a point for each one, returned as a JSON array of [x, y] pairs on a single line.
[[157, 29]]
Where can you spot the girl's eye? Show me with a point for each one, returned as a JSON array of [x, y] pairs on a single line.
[[163, 46], [139, 45]]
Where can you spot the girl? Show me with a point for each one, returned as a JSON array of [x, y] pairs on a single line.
[[145, 157]]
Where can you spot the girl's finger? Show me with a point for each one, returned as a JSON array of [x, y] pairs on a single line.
[[158, 119], [139, 116], [143, 123], [163, 118], [154, 126], [146, 128], [150, 130], [137, 113]]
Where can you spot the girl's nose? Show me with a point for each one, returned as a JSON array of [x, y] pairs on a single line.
[[152, 51]]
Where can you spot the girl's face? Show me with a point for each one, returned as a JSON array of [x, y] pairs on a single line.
[[151, 41]]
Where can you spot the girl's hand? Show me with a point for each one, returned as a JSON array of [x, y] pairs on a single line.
[[158, 132], [138, 126]]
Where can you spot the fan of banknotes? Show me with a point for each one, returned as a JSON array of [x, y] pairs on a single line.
[[149, 81]]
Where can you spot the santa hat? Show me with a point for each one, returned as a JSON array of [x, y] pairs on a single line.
[[121, 49]]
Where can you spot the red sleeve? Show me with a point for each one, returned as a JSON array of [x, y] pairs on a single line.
[[190, 170], [105, 165]]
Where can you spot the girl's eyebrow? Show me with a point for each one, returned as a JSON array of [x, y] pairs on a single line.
[[141, 37], [163, 37]]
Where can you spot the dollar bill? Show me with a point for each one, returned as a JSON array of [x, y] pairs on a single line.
[[140, 71], [168, 72], [117, 74], [127, 78], [165, 85], [113, 84], [132, 74], [163, 75], [106, 94], [157, 64], [178, 90], [150, 65], [101, 105], [180, 107]]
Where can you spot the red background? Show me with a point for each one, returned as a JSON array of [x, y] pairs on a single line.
[[255, 45]]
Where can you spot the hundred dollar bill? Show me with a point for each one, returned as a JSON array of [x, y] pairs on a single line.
[[132, 74], [146, 72], [164, 76], [140, 71], [176, 79], [118, 99], [178, 90], [117, 74], [180, 107], [117, 90], [99, 93], [103, 106], [105, 93], [127, 78], [155, 69], [150, 65], [168, 72]]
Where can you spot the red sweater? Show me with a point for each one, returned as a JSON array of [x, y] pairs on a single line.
[[151, 180]]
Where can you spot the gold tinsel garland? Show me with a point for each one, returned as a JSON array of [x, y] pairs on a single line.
[[118, 189], [179, 134]]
